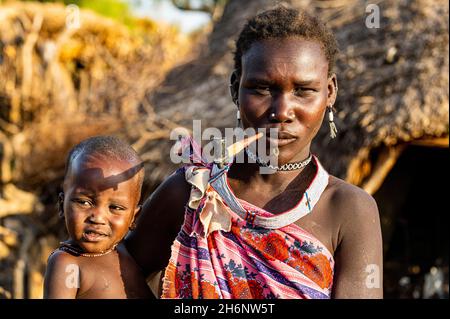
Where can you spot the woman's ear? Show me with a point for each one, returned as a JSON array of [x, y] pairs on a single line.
[[60, 204], [332, 89], [234, 87]]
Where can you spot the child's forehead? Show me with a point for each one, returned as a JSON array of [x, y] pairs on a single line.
[[102, 171], [101, 161]]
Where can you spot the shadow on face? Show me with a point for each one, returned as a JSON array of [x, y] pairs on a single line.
[[102, 182], [100, 200], [99, 172]]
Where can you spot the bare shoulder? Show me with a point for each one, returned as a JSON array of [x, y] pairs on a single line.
[[60, 266], [60, 258], [177, 185], [167, 201], [358, 242], [174, 190], [351, 203]]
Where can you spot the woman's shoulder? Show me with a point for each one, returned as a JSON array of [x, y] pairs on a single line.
[[350, 200], [166, 204], [174, 189]]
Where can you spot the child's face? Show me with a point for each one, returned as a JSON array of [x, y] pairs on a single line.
[[100, 201]]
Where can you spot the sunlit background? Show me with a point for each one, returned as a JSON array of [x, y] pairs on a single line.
[[139, 69]]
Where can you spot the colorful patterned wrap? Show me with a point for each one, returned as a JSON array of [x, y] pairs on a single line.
[[240, 260]]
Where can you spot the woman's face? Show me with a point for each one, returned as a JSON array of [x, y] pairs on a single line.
[[289, 78]]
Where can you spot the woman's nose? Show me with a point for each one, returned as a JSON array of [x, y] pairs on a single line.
[[282, 110]]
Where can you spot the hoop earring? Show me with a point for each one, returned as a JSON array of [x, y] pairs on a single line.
[[333, 129]]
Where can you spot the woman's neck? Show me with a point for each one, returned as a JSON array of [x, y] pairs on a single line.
[[250, 174]]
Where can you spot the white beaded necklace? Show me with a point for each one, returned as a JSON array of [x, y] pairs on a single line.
[[285, 167], [303, 207]]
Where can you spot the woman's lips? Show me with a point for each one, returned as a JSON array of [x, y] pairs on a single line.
[[282, 139]]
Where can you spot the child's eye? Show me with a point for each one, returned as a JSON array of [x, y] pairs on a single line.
[[82, 202], [116, 208]]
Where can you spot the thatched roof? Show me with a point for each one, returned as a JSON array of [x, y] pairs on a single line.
[[393, 86], [393, 81], [59, 85]]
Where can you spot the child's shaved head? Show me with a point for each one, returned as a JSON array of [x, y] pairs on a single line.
[[108, 146]]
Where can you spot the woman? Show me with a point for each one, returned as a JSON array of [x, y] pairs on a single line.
[[297, 233]]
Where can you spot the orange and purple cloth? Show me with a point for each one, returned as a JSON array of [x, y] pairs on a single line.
[[221, 252]]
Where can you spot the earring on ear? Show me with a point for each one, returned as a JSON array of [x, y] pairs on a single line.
[[333, 129], [235, 99], [238, 117]]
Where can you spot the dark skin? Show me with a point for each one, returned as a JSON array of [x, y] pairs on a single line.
[[100, 203], [288, 77]]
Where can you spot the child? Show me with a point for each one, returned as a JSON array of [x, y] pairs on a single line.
[[102, 188]]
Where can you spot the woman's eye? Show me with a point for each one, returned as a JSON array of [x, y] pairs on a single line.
[[262, 90], [302, 91]]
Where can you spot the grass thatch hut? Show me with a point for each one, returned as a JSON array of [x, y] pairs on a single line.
[[392, 117], [393, 112], [61, 83]]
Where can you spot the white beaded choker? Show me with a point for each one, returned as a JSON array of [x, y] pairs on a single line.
[[285, 167]]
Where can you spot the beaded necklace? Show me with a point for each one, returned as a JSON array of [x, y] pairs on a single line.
[[79, 252]]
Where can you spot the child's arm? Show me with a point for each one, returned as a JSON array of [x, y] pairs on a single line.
[[62, 277]]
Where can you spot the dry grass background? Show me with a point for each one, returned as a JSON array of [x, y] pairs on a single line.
[[58, 86]]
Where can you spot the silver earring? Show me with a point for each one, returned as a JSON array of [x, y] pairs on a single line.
[[238, 118], [333, 129], [272, 116]]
